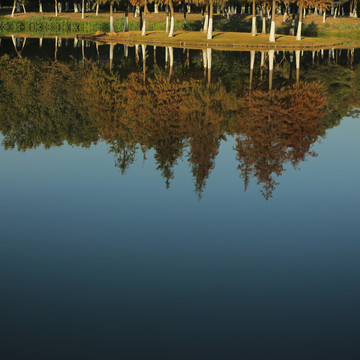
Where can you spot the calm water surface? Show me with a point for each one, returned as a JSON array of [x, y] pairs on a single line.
[[135, 238]]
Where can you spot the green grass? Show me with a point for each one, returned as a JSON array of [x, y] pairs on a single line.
[[40, 25]]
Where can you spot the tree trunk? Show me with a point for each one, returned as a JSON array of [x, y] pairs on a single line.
[[206, 21], [111, 18], [298, 33], [272, 29], [253, 26], [143, 32], [83, 9], [40, 7], [263, 31], [324, 17], [13, 10], [23, 6], [126, 23], [285, 13], [184, 17], [171, 32], [210, 26], [97, 9], [167, 18], [56, 8]]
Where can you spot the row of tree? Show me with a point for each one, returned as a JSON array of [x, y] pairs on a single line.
[[259, 7]]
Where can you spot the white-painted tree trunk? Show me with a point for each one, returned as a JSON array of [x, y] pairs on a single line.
[[272, 32], [14, 7], [23, 6], [40, 7], [83, 10], [263, 25], [210, 29], [324, 17], [143, 31], [126, 24], [97, 9], [298, 33], [253, 26], [189, 9], [206, 23], [172, 24], [156, 8], [111, 24], [167, 23]]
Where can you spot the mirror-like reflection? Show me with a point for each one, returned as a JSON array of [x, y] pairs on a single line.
[[139, 99]]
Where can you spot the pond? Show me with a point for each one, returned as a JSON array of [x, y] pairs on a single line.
[[175, 203]]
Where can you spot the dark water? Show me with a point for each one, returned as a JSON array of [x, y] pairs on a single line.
[[126, 230]]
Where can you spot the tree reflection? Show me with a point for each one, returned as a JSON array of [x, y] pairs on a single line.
[[164, 110], [277, 128]]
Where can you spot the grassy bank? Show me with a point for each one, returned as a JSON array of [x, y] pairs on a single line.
[[346, 30], [221, 40]]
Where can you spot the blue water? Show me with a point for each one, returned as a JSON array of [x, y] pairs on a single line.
[[96, 265]]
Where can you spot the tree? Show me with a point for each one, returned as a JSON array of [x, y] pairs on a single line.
[[303, 4]]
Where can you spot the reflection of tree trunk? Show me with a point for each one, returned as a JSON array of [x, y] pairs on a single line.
[[253, 27], [188, 57], [55, 54], [204, 62], [172, 24], [111, 18], [97, 53], [144, 61], [298, 34], [40, 42], [171, 61], [208, 52], [166, 55], [126, 51], [252, 62], [271, 68], [297, 55], [137, 53], [272, 28], [210, 26], [111, 56]]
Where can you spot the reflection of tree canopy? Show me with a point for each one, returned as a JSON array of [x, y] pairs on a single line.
[[49, 103], [38, 105], [278, 127]]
